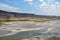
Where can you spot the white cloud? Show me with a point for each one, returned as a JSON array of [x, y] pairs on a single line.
[[51, 7], [8, 8], [50, 0], [41, 0], [29, 1]]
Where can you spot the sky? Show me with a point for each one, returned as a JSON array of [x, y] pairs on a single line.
[[38, 7]]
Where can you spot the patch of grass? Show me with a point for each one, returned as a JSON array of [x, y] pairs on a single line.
[[26, 19], [15, 37]]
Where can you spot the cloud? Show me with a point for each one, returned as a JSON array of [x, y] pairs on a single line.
[[8, 8], [41, 0], [49, 7], [29, 1], [52, 9]]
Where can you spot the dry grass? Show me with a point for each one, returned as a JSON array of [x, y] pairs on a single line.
[[26, 19]]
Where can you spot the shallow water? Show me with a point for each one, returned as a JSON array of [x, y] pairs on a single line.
[[49, 27]]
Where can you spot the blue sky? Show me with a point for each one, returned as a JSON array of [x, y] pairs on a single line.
[[40, 7]]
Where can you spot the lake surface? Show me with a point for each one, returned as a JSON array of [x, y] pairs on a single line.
[[30, 27]]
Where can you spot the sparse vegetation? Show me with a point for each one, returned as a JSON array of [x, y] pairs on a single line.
[[26, 19], [14, 37]]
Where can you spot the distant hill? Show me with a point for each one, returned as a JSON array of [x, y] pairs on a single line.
[[4, 15]]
